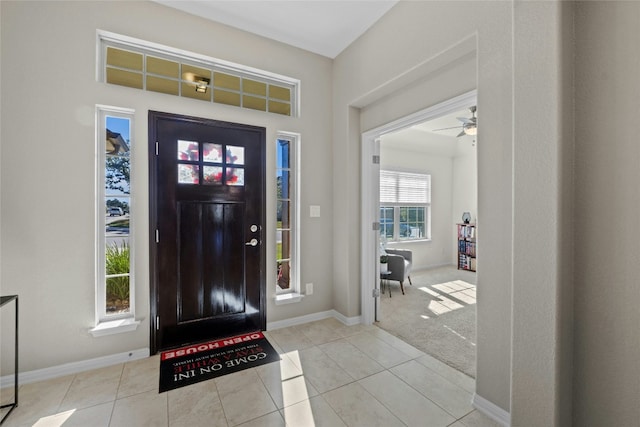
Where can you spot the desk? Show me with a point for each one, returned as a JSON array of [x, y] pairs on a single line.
[[3, 301]]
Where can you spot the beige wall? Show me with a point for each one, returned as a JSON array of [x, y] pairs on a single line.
[[527, 209], [607, 202], [48, 102], [524, 276], [411, 50], [543, 136]]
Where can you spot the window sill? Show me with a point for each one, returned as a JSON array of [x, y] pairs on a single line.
[[400, 242], [112, 327], [289, 298]]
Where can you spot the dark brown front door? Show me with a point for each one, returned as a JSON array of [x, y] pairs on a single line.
[[206, 213]]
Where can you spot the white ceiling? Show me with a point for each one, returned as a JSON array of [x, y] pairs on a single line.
[[445, 123], [325, 27], [424, 139]]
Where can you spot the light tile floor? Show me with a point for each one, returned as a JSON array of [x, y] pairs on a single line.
[[330, 375]]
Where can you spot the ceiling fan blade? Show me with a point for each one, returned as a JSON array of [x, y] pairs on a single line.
[[465, 120], [436, 130], [460, 134]]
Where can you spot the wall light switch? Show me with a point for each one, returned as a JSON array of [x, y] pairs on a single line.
[[309, 289], [314, 211]]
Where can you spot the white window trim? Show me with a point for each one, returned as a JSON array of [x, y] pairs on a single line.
[[294, 293], [396, 222], [107, 325], [107, 38], [398, 204]]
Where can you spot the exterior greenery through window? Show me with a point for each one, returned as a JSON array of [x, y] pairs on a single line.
[[286, 214], [405, 206], [115, 279]]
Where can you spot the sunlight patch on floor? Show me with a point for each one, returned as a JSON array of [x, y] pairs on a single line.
[[300, 413], [449, 296], [295, 396], [56, 420], [294, 391]]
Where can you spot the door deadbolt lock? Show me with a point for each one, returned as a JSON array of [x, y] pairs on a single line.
[[252, 242], [253, 228]]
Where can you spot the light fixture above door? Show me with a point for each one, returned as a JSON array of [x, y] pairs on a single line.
[[201, 84]]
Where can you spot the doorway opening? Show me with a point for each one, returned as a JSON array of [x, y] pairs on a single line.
[[436, 313]]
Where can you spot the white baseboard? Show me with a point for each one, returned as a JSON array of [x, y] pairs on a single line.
[[423, 268], [294, 321], [349, 321], [491, 410], [73, 367], [101, 362]]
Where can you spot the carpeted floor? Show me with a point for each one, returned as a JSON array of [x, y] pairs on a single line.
[[436, 315]]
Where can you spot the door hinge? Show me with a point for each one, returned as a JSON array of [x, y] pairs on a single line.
[[157, 323], [157, 236], [376, 293], [375, 226], [156, 148], [376, 159]]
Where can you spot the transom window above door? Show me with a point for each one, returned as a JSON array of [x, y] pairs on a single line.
[[208, 163], [140, 64]]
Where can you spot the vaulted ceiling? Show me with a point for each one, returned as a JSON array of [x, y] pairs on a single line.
[[325, 27]]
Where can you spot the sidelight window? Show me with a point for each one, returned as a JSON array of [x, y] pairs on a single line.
[[287, 241], [114, 218]]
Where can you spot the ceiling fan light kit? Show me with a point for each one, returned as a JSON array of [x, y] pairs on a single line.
[[471, 130], [469, 125]]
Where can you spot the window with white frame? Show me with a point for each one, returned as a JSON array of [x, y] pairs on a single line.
[[405, 206], [287, 236], [140, 64], [114, 263]]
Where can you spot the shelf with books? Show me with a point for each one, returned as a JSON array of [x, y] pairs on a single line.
[[467, 247]]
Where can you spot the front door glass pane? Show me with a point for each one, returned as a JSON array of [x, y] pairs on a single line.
[[235, 155], [212, 174], [235, 176], [188, 150], [212, 153], [188, 174]]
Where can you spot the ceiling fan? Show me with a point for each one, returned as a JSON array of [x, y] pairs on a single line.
[[469, 125]]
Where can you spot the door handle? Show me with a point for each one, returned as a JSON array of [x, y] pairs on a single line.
[[252, 242]]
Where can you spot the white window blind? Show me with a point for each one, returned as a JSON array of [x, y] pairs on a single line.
[[404, 187]]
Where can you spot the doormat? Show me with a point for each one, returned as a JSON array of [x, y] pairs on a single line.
[[200, 362]]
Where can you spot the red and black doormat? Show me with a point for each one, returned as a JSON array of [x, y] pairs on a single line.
[[200, 362]]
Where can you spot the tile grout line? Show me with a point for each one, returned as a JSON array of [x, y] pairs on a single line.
[[428, 398], [115, 398]]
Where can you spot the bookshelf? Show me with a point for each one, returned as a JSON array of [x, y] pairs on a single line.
[[467, 247]]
